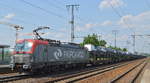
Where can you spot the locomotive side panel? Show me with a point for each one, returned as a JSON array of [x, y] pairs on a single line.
[[39, 54], [55, 55], [67, 54]]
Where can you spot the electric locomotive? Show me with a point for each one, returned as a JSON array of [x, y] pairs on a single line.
[[34, 54]]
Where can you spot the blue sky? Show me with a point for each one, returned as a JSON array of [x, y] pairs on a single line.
[[93, 16]]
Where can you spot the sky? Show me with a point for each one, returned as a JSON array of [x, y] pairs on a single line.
[[101, 17]]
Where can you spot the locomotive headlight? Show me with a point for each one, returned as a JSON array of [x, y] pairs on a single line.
[[30, 44]]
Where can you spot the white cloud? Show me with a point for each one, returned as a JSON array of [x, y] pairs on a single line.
[[125, 21], [9, 16], [107, 3], [106, 23], [87, 26], [135, 23], [140, 21]]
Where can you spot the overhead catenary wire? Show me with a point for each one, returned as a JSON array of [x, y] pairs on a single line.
[[22, 21], [17, 20], [121, 10], [147, 3], [42, 9], [56, 6], [45, 10], [75, 1], [59, 2], [115, 10], [13, 8], [21, 11], [118, 14]]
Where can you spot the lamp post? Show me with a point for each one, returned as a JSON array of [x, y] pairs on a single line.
[[17, 31]]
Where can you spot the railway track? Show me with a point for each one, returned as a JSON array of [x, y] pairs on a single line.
[[136, 77], [5, 70], [13, 78], [86, 74], [122, 76], [68, 77], [80, 74]]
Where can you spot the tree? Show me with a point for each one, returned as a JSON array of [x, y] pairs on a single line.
[[124, 49], [93, 39], [102, 43], [117, 48]]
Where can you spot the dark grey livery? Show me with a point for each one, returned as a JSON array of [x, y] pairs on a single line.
[[59, 55]]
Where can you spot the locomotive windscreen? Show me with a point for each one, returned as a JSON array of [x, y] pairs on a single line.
[[24, 46]]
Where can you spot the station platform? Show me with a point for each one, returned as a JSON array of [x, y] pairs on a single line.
[[145, 78], [4, 69], [4, 66]]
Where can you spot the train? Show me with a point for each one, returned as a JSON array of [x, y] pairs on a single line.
[[32, 55]]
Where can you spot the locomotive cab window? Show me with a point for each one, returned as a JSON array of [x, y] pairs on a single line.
[[23, 46]]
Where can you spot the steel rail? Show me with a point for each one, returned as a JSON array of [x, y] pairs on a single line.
[[13, 78], [101, 70], [121, 76]]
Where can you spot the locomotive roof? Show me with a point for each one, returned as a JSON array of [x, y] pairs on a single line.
[[70, 45], [4, 46], [32, 40], [64, 44]]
